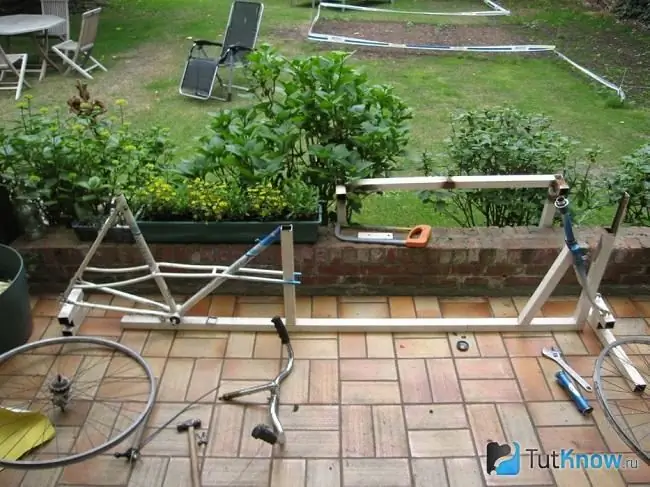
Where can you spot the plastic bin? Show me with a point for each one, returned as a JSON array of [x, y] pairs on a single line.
[[15, 310]]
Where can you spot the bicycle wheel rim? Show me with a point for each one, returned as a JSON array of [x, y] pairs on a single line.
[[79, 457], [602, 401]]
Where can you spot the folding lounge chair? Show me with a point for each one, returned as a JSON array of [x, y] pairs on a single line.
[[77, 54], [201, 69], [8, 64]]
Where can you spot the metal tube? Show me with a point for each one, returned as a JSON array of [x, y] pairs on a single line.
[[118, 205], [275, 418], [132, 297], [122, 309], [246, 270], [239, 263], [136, 280], [288, 269], [495, 10], [417, 183], [148, 257], [117, 270], [231, 276], [110, 285]]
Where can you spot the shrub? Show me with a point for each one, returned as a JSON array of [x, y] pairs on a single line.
[[633, 177], [73, 165], [316, 119], [502, 141]]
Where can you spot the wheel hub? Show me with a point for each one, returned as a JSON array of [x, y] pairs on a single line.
[[60, 389]]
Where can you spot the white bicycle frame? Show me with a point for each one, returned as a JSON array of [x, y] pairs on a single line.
[[169, 315]]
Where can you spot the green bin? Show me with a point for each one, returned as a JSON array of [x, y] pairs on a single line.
[[15, 309]]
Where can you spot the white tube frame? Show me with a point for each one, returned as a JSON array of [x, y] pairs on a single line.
[[554, 182], [494, 10], [511, 48]]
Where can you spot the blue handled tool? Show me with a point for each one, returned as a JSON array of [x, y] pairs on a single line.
[[567, 384]]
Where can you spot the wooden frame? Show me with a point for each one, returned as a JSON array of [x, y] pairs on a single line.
[[590, 310]]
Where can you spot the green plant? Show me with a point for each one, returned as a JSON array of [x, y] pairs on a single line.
[[266, 200], [503, 141], [72, 165], [159, 196], [316, 119], [207, 201], [633, 177], [210, 199], [301, 198]]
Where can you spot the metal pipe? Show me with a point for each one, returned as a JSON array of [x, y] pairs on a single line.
[[173, 265], [122, 309], [496, 10], [234, 267], [136, 280]]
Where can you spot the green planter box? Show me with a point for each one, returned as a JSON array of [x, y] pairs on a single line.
[[205, 233]]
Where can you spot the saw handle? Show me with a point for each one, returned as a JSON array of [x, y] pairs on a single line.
[[418, 237]]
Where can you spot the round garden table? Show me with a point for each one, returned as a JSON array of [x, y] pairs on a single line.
[[21, 24]]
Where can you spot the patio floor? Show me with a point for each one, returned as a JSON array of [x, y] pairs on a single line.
[[367, 410]]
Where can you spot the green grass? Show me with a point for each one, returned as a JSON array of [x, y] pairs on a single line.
[[144, 44]]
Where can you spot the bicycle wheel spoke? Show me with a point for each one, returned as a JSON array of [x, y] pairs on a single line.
[[28, 365], [95, 392], [626, 406]]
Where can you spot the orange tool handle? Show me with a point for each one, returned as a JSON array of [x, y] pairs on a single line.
[[418, 237]]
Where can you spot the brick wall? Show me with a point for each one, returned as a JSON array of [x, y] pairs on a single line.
[[485, 261]]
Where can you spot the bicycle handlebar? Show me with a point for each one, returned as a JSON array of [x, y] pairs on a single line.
[[281, 329]]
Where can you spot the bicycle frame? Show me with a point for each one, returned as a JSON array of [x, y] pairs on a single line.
[[75, 308]]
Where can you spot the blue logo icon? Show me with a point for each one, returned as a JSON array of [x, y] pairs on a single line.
[[499, 453]]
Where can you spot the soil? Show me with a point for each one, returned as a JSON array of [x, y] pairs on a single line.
[[615, 55], [411, 33]]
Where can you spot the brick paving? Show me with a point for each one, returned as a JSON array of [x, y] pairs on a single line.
[[360, 410]]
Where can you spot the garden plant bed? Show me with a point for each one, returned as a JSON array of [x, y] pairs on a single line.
[[243, 232]]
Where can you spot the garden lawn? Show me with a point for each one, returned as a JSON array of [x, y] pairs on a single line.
[[144, 44]]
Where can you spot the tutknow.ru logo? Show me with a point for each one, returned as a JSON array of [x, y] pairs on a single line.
[[502, 460]]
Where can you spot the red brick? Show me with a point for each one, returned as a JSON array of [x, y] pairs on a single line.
[[454, 259]]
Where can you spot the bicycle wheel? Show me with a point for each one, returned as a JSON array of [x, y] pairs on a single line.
[[93, 391], [627, 410]]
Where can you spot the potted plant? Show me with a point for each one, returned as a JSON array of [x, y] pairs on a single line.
[[210, 210]]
